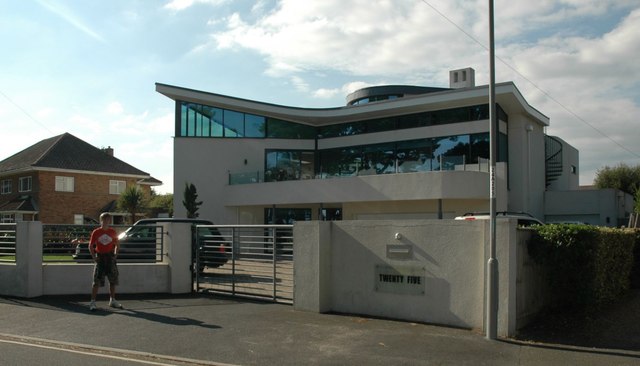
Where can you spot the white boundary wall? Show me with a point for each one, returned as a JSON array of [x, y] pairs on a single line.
[[30, 277], [339, 264]]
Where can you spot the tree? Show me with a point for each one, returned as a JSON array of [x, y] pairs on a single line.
[[160, 203], [622, 177], [131, 201], [190, 200]]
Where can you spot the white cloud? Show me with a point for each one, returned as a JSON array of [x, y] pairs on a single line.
[[299, 84], [591, 78], [178, 5], [114, 108]]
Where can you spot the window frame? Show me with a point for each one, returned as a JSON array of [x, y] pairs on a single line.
[[117, 186], [64, 184], [6, 186], [28, 179]]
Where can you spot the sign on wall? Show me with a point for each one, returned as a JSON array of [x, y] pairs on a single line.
[[404, 280]]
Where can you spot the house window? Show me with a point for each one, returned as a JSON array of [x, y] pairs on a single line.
[[7, 218], [117, 186], [64, 184], [6, 186], [24, 184], [574, 169]]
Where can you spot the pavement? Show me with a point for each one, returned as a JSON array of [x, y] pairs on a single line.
[[201, 329]]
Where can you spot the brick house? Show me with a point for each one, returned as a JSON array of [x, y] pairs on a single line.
[[65, 180]]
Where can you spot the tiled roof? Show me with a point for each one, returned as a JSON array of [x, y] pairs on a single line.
[[70, 153], [20, 203]]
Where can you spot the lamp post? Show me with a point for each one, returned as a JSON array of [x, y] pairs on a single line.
[[492, 263]]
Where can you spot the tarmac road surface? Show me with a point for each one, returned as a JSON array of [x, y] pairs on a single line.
[[199, 329]]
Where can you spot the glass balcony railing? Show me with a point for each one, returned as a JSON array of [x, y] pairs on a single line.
[[356, 168]]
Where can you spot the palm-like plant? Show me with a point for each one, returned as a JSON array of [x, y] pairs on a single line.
[[131, 201], [190, 200]]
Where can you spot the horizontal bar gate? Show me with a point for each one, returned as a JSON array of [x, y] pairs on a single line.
[[242, 260]]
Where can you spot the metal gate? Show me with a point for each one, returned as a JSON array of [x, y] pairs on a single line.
[[253, 261]]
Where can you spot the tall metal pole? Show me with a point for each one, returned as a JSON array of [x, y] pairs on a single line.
[[492, 264]]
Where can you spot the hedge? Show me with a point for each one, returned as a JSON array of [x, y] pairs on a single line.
[[587, 266]]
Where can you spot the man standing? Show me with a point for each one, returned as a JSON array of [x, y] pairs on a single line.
[[103, 247]]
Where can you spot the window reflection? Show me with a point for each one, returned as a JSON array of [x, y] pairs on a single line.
[[197, 120], [281, 165]]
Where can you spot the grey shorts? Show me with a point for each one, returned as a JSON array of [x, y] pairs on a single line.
[[105, 266]]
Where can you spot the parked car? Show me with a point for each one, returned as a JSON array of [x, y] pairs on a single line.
[[139, 242], [524, 219]]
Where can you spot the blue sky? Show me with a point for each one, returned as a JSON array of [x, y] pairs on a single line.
[[90, 67]]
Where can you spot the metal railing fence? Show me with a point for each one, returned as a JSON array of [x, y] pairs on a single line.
[[7, 242], [69, 243], [253, 261]]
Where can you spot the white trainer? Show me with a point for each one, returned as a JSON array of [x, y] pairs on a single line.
[[92, 306], [115, 304]]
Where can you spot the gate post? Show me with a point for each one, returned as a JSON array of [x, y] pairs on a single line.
[[312, 266], [177, 239]]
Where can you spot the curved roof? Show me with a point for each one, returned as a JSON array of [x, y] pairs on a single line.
[[384, 90], [507, 95]]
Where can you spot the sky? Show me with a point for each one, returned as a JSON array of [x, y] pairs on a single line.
[[89, 68]]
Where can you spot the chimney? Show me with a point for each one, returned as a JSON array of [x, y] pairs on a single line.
[[462, 78], [108, 150]]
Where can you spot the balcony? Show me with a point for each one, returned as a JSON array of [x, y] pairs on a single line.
[[459, 181], [443, 163]]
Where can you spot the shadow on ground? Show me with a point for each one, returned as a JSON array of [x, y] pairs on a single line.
[[615, 327]]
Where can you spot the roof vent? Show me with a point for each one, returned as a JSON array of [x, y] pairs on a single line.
[[462, 78], [108, 150]]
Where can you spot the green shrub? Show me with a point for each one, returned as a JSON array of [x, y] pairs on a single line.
[[587, 266], [635, 270]]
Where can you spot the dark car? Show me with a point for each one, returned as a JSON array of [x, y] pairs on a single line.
[[140, 242]]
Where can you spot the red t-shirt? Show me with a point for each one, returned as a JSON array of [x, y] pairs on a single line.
[[104, 240]]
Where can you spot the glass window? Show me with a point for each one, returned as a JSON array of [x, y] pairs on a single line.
[[330, 161], [6, 186], [280, 129], [381, 124], [64, 184], [24, 184], [233, 124], [198, 120], [286, 215], [191, 120], [503, 147], [216, 122], [415, 156], [451, 151], [281, 165], [413, 120], [254, 126], [377, 159], [117, 186], [184, 110], [479, 147]]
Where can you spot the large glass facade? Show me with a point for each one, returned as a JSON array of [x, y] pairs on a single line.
[[197, 120], [439, 153], [453, 115], [427, 154]]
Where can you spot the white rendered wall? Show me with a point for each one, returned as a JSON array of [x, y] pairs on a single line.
[[339, 274]]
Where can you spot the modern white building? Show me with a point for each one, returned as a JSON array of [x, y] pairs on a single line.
[[393, 152]]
